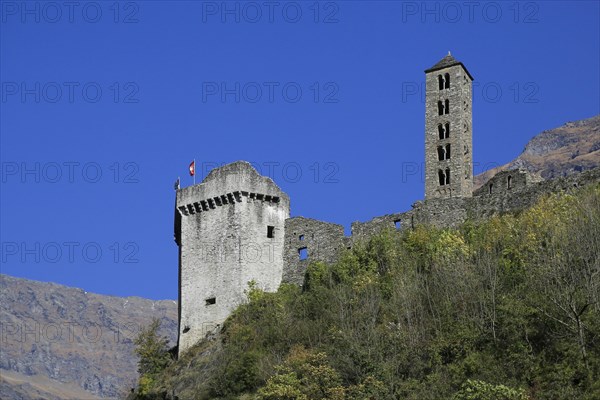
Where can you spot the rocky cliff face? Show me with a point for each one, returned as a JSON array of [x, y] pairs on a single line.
[[571, 148], [59, 342]]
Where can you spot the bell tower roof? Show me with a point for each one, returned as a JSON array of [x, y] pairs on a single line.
[[446, 62]]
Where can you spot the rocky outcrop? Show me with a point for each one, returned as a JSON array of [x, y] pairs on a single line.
[[568, 149], [59, 342]]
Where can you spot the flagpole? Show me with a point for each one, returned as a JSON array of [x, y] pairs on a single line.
[[194, 171]]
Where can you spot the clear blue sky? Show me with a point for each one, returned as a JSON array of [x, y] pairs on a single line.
[[137, 99]]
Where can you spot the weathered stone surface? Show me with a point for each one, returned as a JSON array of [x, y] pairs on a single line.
[[322, 241], [222, 228], [448, 137]]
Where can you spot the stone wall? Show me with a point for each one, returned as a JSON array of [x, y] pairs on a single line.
[[313, 239], [327, 240], [505, 182]]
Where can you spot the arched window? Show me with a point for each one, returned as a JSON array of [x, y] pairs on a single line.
[[447, 106], [440, 82], [491, 186], [441, 132], [447, 176], [442, 177], [447, 151], [447, 81], [509, 182], [440, 108], [447, 130], [441, 153]]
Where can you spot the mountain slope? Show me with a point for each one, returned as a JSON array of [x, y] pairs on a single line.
[[64, 343], [570, 148]]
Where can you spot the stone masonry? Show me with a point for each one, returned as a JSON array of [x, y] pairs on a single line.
[[230, 231], [448, 134], [235, 226]]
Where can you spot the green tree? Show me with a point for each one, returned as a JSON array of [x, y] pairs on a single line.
[[152, 349]]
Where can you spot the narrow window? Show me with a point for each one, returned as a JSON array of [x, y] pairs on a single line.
[[211, 301], [270, 232], [447, 130], [442, 177], [398, 224], [448, 151], [509, 182], [441, 153], [301, 237], [303, 253], [440, 82], [447, 81], [447, 176], [447, 106], [440, 108], [441, 132], [491, 186]]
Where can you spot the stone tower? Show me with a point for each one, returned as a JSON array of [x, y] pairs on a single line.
[[448, 130], [230, 231]]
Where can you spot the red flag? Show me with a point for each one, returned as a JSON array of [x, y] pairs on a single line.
[[193, 168]]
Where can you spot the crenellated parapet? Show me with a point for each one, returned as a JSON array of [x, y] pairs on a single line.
[[225, 199]]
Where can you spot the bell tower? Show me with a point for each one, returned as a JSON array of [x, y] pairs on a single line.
[[448, 130]]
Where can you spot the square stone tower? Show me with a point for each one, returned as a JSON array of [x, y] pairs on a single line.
[[448, 130], [230, 231]]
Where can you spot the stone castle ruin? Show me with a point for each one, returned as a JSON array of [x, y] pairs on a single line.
[[235, 227]]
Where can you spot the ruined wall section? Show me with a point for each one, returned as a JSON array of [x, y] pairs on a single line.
[[326, 240], [223, 226], [308, 240], [524, 193], [398, 221], [506, 182]]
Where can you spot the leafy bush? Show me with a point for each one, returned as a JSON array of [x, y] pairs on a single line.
[[479, 390]]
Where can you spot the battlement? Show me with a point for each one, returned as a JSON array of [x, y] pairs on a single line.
[[227, 185], [224, 199]]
